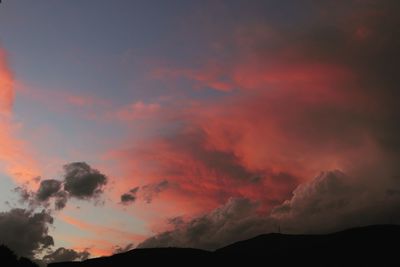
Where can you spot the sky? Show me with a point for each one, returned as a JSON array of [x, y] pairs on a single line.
[[130, 124]]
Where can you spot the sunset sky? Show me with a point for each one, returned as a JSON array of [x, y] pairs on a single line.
[[195, 123]]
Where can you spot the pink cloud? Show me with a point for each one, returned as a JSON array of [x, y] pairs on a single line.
[[289, 113], [15, 157]]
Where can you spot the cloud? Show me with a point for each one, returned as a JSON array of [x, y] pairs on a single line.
[[146, 192], [109, 234], [296, 101], [334, 201], [330, 202], [129, 197], [126, 248], [64, 254], [82, 181], [6, 85], [16, 158], [47, 189], [79, 181], [149, 191], [224, 225], [26, 232], [61, 199]]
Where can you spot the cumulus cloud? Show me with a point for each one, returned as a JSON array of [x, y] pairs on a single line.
[[82, 181], [226, 224], [25, 232], [47, 189], [64, 254], [334, 201], [331, 201]]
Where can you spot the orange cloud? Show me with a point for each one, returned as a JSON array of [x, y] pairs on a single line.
[[15, 157], [293, 106], [104, 231], [285, 117], [6, 85], [259, 143]]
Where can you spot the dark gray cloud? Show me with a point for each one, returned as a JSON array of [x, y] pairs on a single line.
[[82, 181], [226, 224], [25, 232], [334, 201], [331, 201], [64, 254], [61, 199], [47, 189], [129, 197]]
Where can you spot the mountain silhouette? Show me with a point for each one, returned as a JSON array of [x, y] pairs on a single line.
[[365, 246]]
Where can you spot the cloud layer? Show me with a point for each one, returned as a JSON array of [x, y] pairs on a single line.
[[294, 102]]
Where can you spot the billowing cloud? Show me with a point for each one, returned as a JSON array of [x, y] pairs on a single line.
[[334, 201], [25, 232], [223, 225], [64, 254], [330, 202], [82, 181]]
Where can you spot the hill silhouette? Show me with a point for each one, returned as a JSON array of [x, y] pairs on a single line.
[[9, 259], [365, 246]]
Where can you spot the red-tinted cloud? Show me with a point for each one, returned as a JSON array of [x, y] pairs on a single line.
[[295, 104], [15, 157], [6, 85]]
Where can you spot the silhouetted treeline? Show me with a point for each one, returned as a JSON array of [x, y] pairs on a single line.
[[9, 259]]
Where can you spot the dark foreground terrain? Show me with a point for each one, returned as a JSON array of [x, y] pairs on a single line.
[[366, 246]]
